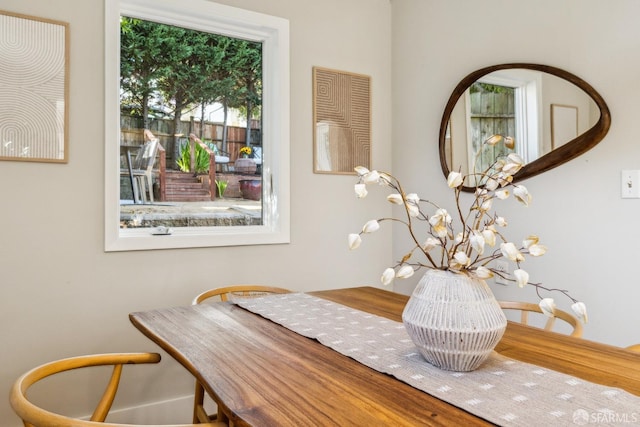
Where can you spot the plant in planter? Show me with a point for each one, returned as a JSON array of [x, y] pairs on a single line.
[[202, 159], [244, 164], [245, 152], [458, 258], [222, 186]]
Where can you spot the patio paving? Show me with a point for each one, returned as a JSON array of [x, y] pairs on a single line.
[[221, 212]]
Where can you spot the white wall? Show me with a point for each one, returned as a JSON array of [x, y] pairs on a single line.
[[591, 233], [61, 295]]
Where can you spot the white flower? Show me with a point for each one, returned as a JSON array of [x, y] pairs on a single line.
[[483, 273], [502, 194], [439, 222], [513, 165], [354, 241], [493, 140], [501, 221], [521, 193], [580, 310], [395, 198], [371, 177], [413, 198], [537, 250], [510, 252], [548, 306], [361, 170], [371, 226], [522, 277], [413, 210], [405, 272], [486, 205], [431, 243], [530, 240], [454, 179], [387, 276], [412, 205], [477, 242], [509, 142], [515, 158], [361, 190], [489, 236], [504, 179], [460, 260], [491, 184]]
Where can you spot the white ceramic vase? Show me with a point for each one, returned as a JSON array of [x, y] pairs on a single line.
[[454, 320]]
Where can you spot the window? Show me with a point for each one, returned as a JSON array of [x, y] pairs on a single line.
[[504, 104], [271, 140]]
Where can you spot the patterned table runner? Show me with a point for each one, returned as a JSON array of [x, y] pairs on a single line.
[[503, 391]]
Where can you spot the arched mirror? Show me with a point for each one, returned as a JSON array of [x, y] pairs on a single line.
[[550, 116]]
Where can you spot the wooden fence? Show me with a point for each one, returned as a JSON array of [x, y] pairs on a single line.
[[131, 134]]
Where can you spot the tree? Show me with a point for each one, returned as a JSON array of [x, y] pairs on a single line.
[[246, 68], [182, 68], [140, 47]]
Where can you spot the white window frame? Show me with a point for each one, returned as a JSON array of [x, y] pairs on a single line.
[[202, 15]]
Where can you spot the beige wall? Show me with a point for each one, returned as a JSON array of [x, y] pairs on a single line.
[[61, 295], [591, 233]]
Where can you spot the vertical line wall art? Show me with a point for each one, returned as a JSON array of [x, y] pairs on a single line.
[[341, 120], [564, 124], [34, 75]]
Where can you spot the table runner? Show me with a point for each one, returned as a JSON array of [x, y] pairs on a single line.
[[503, 391]]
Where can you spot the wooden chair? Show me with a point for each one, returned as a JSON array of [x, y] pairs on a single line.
[[526, 308], [143, 165], [635, 347], [223, 294], [34, 416]]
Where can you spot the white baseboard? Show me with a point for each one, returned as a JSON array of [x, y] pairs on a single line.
[[173, 411]]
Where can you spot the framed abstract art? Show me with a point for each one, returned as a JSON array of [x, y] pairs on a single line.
[[34, 76]]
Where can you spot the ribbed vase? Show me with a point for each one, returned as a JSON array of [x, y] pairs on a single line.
[[454, 320]]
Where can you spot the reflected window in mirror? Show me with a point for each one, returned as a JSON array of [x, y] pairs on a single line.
[[168, 67], [491, 112]]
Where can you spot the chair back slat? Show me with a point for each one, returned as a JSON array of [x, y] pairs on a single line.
[[525, 308], [104, 405]]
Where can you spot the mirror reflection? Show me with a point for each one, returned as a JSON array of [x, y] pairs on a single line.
[[537, 110]]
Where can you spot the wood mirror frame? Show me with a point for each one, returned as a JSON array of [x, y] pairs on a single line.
[[572, 149]]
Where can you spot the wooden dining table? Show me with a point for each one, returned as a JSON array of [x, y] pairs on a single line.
[[262, 374]]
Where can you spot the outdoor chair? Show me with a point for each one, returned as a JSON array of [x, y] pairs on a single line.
[[257, 157], [35, 416], [222, 158], [525, 308], [140, 168], [223, 294], [143, 166]]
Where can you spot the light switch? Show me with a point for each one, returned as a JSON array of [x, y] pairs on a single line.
[[630, 184]]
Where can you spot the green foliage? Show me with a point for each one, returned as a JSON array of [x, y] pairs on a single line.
[[186, 67], [202, 159], [222, 186], [490, 88]]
